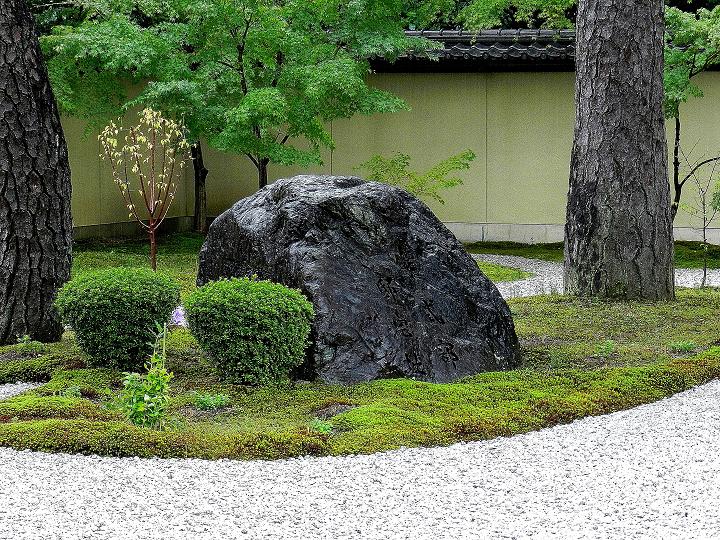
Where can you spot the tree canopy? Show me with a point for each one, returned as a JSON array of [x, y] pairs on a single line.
[[257, 77], [692, 45], [540, 13]]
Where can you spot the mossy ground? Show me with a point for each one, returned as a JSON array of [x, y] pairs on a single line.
[[581, 358], [499, 274], [177, 256], [687, 254]]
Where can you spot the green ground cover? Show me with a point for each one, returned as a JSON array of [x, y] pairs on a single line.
[[580, 358], [177, 256], [499, 274], [687, 254]]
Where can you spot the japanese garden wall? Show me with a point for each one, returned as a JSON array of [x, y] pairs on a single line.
[[520, 125]]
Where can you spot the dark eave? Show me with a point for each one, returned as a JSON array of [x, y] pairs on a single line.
[[491, 50]]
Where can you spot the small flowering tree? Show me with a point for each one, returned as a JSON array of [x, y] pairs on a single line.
[[153, 153], [707, 201]]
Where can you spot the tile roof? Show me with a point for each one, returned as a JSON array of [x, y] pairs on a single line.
[[492, 49]]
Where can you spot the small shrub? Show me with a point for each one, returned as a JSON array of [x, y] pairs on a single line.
[[211, 402], [682, 346], [144, 398], [26, 345], [253, 331], [114, 313]]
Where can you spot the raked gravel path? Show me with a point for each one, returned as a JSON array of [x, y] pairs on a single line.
[[548, 276], [649, 472]]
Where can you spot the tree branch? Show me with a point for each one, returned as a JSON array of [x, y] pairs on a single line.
[[697, 167]]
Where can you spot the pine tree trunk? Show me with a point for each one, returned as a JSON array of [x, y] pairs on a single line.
[[618, 234], [35, 222], [200, 173]]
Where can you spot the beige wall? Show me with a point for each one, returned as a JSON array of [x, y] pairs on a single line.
[[519, 125]]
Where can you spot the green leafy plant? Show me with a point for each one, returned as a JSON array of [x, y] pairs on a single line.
[[396, 172], [114, 313], [144, 398], [254, 331], [321, 427], [682, 346], [211, 402]]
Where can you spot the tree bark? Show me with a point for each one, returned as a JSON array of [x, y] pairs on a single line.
[[35, 222], [200, 215], [263, 172], [618, 234], [152, 233], [677, 185]]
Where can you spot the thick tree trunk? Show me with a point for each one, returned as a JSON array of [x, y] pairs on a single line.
[[618, 235], [35, 222], [200, 215]]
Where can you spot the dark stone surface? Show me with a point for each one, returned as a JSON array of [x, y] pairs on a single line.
[[333, 410], [395, 293]]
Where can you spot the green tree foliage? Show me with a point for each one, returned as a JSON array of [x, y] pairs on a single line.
[[49, 14], [396, 172], [518, 13], [479, 14], [692, 46], [256, 77]]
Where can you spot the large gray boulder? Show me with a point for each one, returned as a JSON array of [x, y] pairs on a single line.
[[395, 293]]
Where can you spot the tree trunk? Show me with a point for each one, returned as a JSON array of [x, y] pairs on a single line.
[[677, 185], [200, 215], [263, 172], [35, 222], [618, 235], [152, 233]]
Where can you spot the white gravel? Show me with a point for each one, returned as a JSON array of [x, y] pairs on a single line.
[[548, 276], [9, 390], [649, 472]]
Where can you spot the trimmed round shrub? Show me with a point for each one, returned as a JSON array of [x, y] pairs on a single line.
[[115, 313], [254, 332]]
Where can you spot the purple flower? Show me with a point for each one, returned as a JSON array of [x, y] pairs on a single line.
[[178, 317]]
